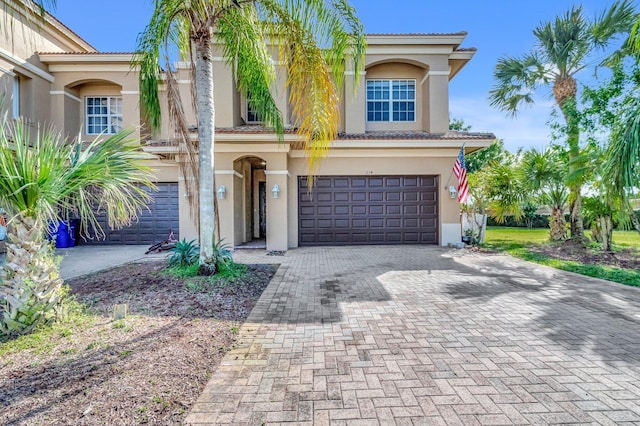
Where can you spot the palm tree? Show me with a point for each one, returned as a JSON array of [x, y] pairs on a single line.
[[42, 179], [565, 46], [544, 174], [298, 28]]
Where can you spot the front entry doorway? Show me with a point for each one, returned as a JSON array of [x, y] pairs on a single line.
[[251, 206]]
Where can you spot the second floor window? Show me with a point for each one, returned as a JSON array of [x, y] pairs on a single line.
[[103, 114], [391, 100]]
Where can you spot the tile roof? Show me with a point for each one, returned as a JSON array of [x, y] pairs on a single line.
[[459, 33], [86, 53], [386, 135], [416, 135]]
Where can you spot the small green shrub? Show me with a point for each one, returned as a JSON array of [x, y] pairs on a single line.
[[183, 272], [184, 254], [222, 252], [231, 269]]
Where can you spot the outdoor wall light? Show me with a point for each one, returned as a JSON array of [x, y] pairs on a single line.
[[222, 192], [275, 191], [452, 192]]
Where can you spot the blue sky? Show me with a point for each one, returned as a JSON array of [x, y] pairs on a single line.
[[496, 28]]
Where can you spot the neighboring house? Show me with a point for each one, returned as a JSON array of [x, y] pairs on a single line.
[[386, 179]]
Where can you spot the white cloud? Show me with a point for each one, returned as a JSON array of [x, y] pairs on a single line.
[[528, 129]]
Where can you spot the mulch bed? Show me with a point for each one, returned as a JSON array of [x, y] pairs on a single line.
[[626, 258], [568, 250], [147, 369]]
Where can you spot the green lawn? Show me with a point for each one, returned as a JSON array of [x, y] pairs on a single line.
[[516, 242], [505, 235]]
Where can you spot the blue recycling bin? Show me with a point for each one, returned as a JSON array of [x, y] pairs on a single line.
[[63, 232]]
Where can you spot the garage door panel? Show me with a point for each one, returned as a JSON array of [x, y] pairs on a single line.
[[357, 210], [410, 182], [410, 223], [358, 183], [324, 210], [376, 223], [340, 238], [376, 210], [394, 209], [321, 183], [428, 210], [368, 210], [410, 196], [341, 210], [376, 196], [376, 182], [342, 223], [411, 237], [324, 197], [359, 223]]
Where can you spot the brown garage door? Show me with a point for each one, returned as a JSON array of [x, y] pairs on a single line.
[[153, 225], [344, 210]]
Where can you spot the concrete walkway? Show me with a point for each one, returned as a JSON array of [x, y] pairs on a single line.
[[82, 260], [419, 335]]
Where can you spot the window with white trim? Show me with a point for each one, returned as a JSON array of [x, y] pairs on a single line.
[[391, 100], [103, 114]]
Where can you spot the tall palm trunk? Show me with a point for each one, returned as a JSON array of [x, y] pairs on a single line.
[[557, 229], [206, 173], [31, 286], [605, 223], [565, 90]]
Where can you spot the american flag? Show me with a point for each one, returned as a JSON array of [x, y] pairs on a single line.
[[460, 170]]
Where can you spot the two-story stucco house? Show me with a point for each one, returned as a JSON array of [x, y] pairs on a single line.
[[385, 181]]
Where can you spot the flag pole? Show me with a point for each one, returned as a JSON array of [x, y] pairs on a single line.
[[446, 186]]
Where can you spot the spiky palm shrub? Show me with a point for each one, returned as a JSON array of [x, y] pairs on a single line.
[[544, 175], [42, 179]]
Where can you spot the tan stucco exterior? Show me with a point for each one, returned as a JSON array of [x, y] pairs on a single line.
[[55, 70]]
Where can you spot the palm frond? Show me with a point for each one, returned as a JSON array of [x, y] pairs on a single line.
[[313, 78], [623, 155], [246, 53], [44, 177], [515, 81], [616, 20], [506, 192]]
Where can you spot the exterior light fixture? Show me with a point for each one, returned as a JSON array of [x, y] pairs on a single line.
[[452, 192], [222, 192], [275, 191]]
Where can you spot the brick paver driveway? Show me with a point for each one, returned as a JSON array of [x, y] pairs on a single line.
[[423, 335]]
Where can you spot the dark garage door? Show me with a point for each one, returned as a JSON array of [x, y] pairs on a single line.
[[344, 210], [153, 225]]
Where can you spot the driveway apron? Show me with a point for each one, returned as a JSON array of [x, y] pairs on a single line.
[[426, 335]]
